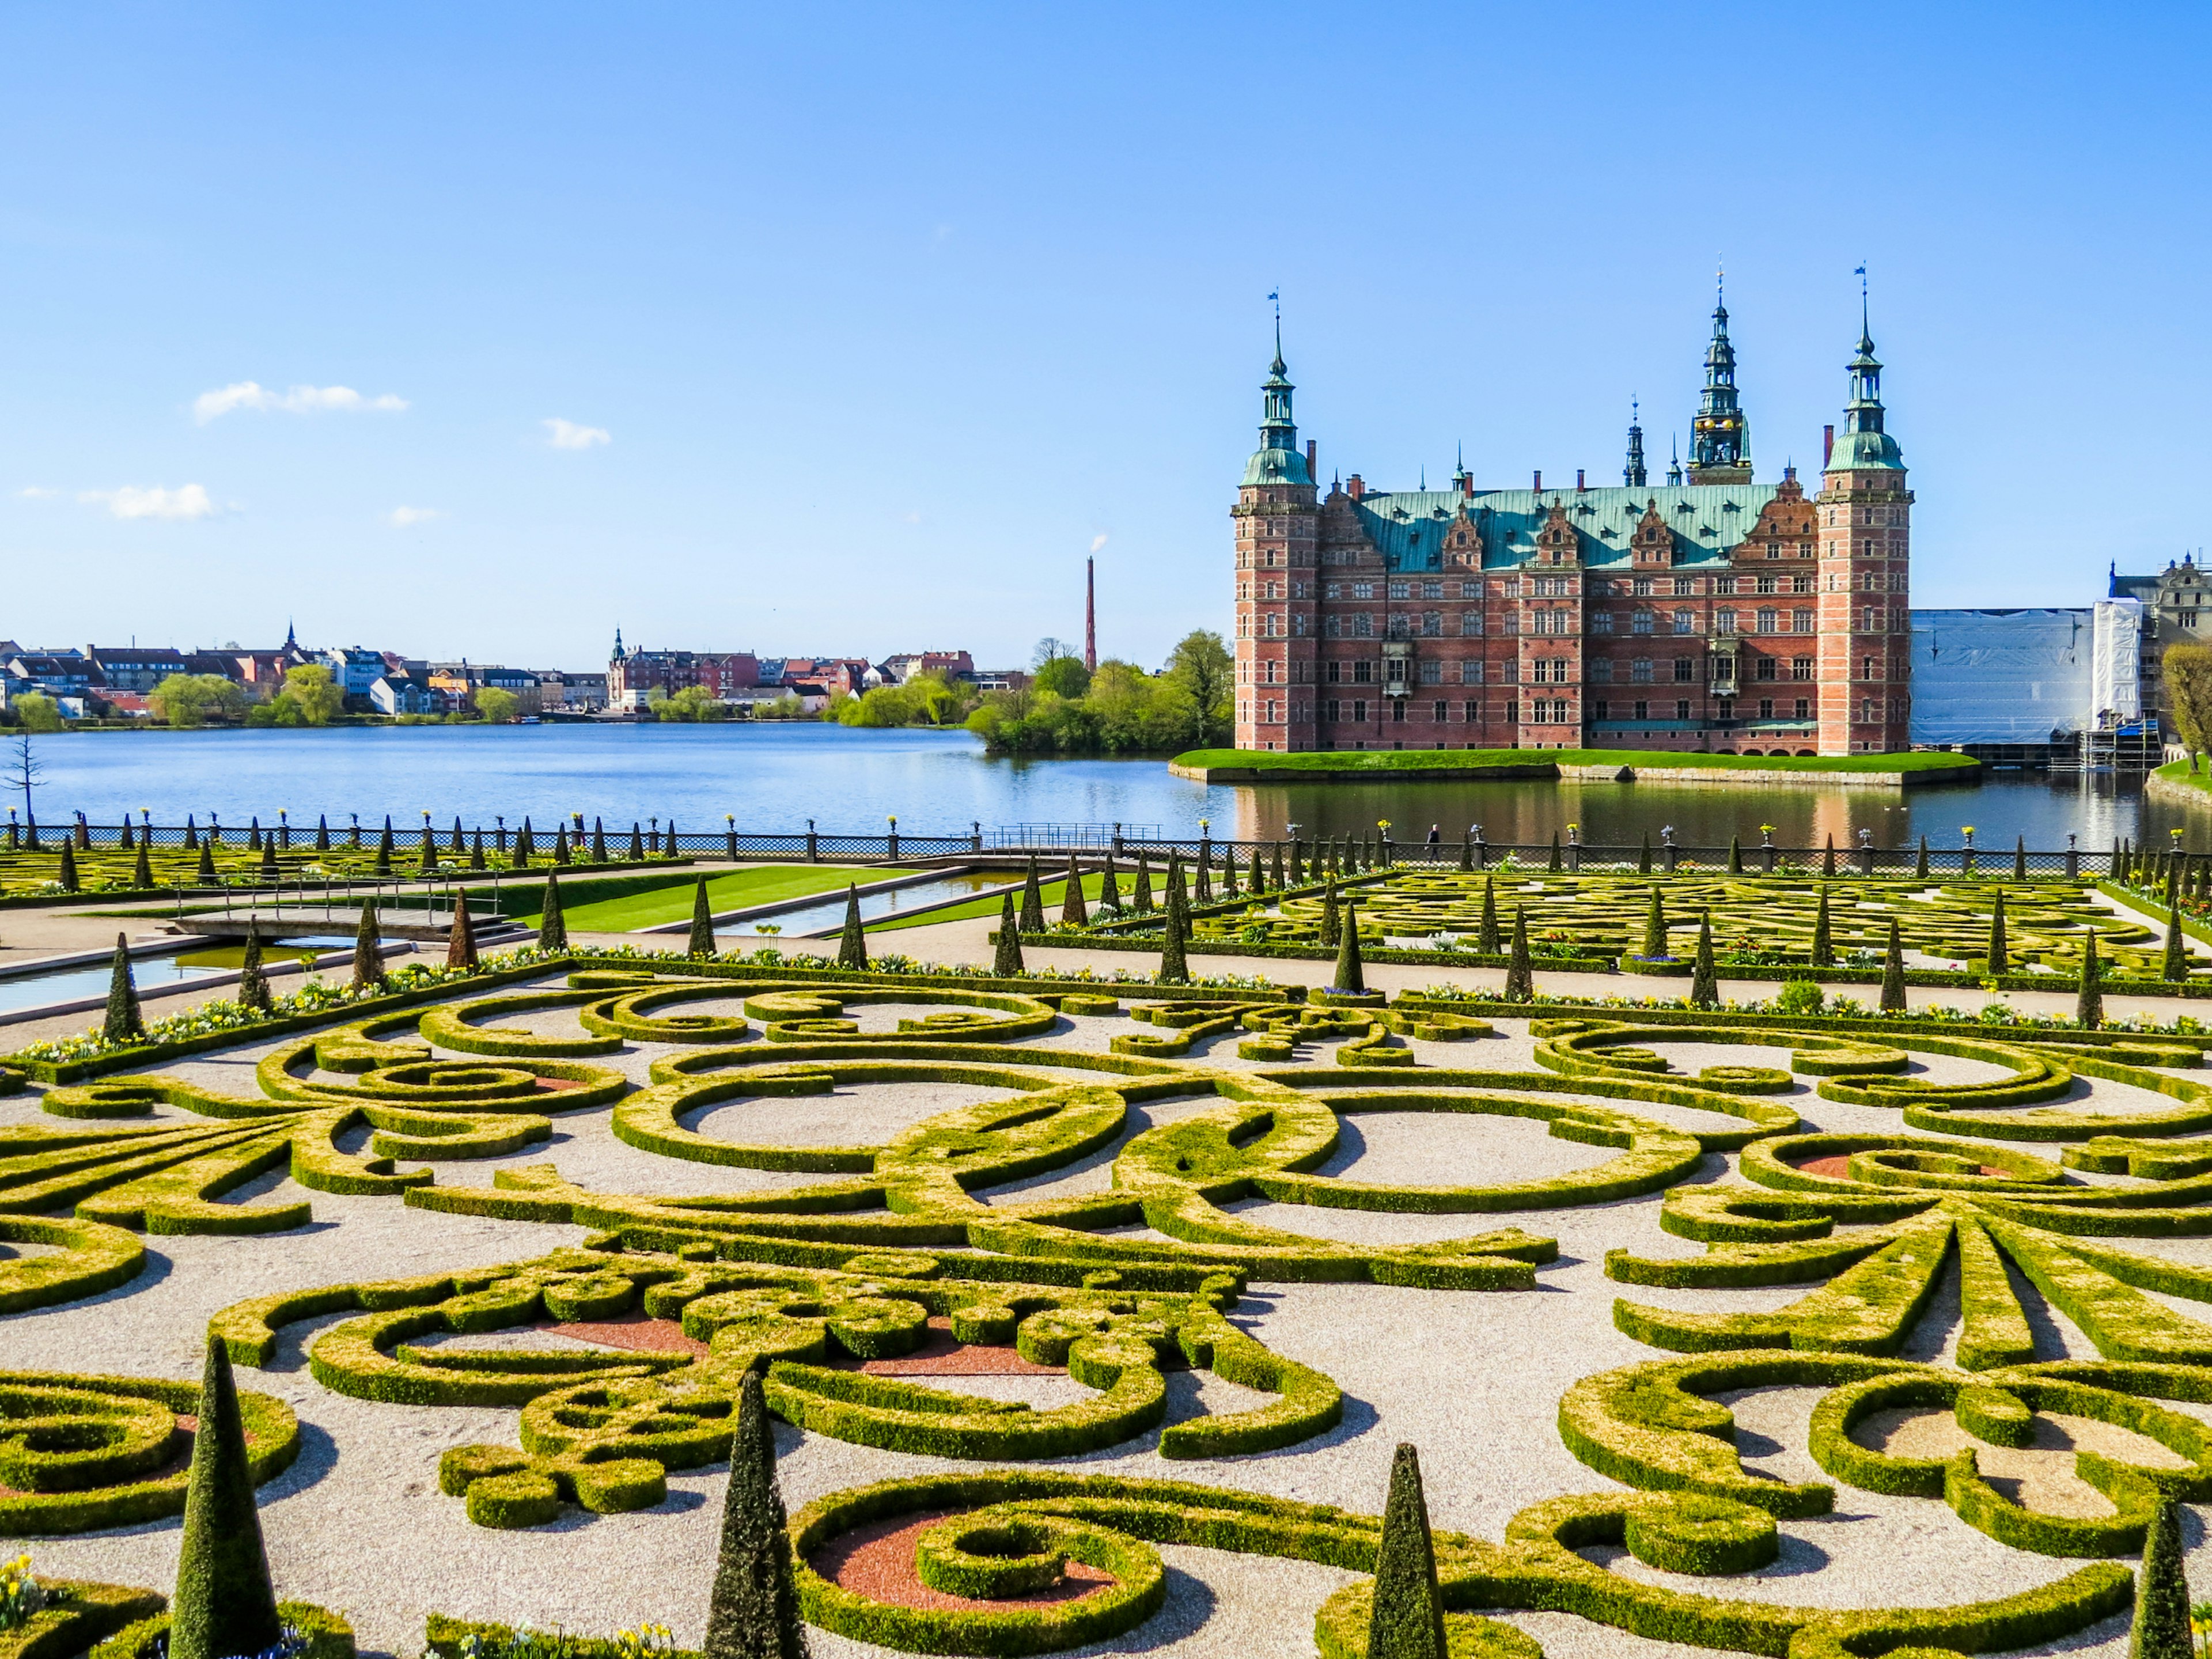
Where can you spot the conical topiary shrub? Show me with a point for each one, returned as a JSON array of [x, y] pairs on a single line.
[[2089, 1003], [252, 983], [124, 1022], [853, 943], [552, 925], [754, 1611], [1486, 936], [2176, 967], [1032, 900], [2160, 1630], [1705, 981], [1893, 973], [2000, 954], [1007, 963], [702, 941], [225, 1604], [368, 958], [1072, 910], [1350, 974], [1520, 980], [1654, 928], [1824, 947], [461, 940], [1175, 966], [1407, 1621]]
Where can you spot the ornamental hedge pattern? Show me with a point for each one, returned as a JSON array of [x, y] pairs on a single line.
[[2003, 1168]]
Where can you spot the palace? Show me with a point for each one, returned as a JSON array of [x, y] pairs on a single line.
[[1710, 612]]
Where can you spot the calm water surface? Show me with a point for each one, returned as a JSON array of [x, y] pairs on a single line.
[[774, 778]]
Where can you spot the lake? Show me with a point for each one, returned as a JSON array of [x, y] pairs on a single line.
[[774, 777]]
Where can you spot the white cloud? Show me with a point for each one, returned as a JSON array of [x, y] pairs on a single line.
[[297, 400], [186, 501], [1097, 541], [567, 435], [37, 493], [400, 517]]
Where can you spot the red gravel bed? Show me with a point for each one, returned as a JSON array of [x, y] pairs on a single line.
[[877, 1561]]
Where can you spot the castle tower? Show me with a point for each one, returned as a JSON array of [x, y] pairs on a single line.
[[1865, 517], [1632, 475], [1720, 438], [1275, 521]]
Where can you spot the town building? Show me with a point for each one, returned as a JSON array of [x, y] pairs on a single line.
[[1709, 612]]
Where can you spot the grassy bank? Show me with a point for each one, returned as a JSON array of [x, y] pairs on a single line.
[[1417, 761]]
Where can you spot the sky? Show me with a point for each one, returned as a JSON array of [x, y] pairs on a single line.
[[482, 330]]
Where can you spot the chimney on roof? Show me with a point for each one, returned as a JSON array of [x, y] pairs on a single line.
[[1579, 484], [1827, 446], [1355, 486], [1539, 484], [1313, 451]]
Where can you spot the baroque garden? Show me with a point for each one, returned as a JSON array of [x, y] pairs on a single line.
[[1089, 1301]]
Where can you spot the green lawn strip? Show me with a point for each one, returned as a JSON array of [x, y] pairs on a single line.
[[1055, 893], [2179, 772], [738, 889], [1424, 760]]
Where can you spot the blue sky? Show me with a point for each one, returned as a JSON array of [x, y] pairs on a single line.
[[864, 324]]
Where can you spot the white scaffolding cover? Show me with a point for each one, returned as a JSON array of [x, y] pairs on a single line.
[[2006, 676], [2116, 676]]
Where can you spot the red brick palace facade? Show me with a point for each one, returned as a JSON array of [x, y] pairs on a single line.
[[1709, 612]]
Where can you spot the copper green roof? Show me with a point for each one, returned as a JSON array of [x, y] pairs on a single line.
[[1409, 526]]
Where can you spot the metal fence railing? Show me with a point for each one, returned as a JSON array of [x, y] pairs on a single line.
[[294, 850]]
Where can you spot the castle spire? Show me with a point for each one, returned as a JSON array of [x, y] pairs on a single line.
[[1632, 475], [1720, 438], [1278, 460], [1863, 445]]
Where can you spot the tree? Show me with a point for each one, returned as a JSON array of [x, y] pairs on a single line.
[[191, 700], [310, 691], [24, 771], [225, 1603], [1064, 676], [37, 712], [495, 705], [2188, 670], [1407, 1621], [754, 1610], [1201, 666]]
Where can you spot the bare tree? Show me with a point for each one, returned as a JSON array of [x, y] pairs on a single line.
[[23, 771]]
